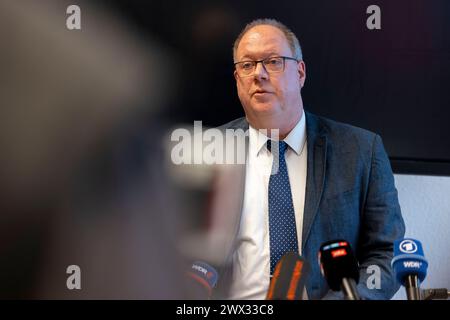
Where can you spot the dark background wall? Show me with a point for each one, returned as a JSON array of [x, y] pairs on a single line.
[[394, 81]]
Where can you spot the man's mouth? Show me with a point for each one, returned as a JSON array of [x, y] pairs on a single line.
[[260, 92]]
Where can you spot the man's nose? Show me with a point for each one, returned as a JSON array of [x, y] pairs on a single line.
[[260, 71]]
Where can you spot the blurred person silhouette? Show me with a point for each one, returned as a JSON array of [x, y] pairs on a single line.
[[80, 159]]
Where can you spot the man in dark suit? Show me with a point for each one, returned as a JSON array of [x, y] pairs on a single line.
[[333, 181]]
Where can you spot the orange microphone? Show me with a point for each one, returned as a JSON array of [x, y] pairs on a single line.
[[288, 279]]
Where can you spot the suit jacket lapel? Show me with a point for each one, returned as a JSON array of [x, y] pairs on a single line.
[[315, 177]]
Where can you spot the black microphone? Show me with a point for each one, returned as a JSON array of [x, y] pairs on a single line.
[[202, 279], [340, 267], [288, 279]]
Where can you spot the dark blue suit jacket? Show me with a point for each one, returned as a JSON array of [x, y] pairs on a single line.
[[350, 194]]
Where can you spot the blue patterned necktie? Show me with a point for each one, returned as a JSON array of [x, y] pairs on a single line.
[[282, 228]]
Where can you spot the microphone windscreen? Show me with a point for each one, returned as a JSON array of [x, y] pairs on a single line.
[[409, 259], [337, 261], [204, 278], [289, 276]]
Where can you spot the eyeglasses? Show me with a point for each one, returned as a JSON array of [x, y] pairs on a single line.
[[271, 65]]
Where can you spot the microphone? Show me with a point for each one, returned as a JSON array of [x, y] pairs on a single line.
[[410, 266], [203, 278], [288, 279], [339, 267]]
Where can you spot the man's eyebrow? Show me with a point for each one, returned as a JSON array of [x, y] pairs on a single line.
[[273, 54], [245, 58], [249, 57]]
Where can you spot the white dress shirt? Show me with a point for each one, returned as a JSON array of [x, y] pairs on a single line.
[[251, 261]]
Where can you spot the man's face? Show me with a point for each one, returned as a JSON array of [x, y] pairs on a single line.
[[268, 95]]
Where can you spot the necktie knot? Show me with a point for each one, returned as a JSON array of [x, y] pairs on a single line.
[[282, 147]]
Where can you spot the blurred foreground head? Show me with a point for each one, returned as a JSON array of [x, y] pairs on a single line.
[[80, 176]]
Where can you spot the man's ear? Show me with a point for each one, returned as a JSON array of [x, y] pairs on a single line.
[[302, 72], [236, 75]]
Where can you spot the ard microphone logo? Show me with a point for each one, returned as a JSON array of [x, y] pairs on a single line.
[[408, 246]]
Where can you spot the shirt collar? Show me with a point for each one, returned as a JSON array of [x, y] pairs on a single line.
[[295, 139]]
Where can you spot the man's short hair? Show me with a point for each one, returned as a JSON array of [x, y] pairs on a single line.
[[291, 38]]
